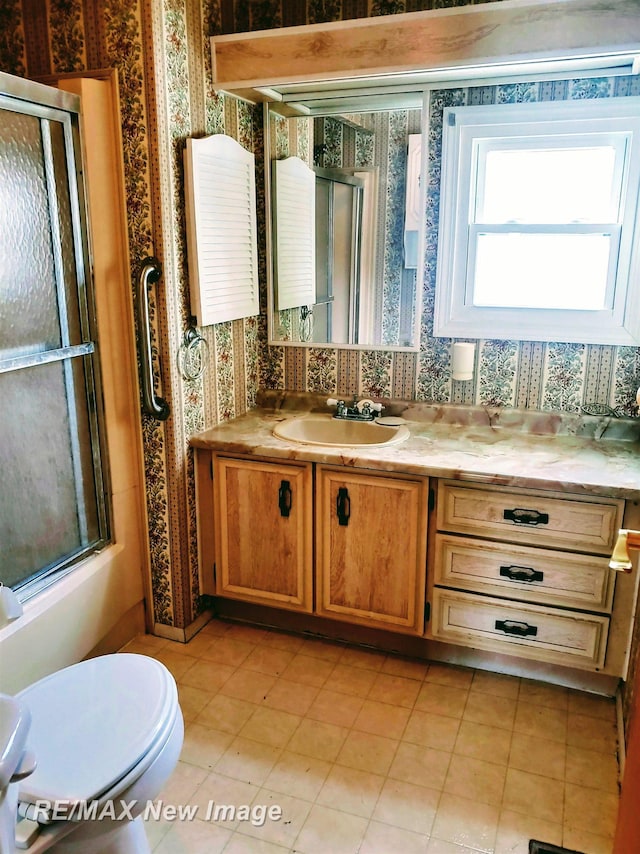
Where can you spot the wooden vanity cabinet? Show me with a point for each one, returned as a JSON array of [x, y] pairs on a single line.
[[263, 523], [512, 571], [371, 534], [370, 537]]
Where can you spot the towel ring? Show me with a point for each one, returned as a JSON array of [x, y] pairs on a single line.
[[192, 355]]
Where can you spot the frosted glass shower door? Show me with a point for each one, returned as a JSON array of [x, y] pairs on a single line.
[[52, 507]]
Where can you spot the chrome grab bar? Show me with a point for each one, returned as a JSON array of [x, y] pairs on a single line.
[[150, 272]]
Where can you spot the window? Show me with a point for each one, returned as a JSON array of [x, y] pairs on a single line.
[[538, 207], [52, 496]]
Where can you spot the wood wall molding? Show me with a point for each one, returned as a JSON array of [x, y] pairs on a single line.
[[445, 38]]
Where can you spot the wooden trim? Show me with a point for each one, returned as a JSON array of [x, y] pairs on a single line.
[[108, 74], [205, 520], [442, 39], [162, 630]]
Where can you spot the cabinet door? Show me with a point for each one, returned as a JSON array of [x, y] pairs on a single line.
[[264, 519], [371, 548]]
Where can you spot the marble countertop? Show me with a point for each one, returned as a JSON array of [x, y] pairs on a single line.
[[591, 455]]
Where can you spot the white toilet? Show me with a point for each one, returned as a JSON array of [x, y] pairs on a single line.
[[106, 734]]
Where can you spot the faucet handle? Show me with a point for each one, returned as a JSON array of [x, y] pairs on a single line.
[[373, 407], [340, 406]]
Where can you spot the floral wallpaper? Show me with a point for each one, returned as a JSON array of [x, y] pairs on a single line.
[[162, 53], [11, 39]]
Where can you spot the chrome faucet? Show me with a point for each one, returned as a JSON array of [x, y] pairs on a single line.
[[359, 410]]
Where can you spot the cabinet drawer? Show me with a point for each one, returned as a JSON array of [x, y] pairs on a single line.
[[535, 518], [521, 572], [529, 631]]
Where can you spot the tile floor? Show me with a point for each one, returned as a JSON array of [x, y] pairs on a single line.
[[366, 752]]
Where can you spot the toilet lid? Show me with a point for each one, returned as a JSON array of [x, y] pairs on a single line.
[[93, 722]]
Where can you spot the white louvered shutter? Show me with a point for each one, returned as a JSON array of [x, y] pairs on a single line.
[[221, 229], [295, 233]]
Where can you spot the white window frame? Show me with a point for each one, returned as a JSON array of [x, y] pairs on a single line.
[[469, 130]]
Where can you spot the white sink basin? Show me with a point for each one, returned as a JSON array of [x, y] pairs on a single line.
[[334, 432]]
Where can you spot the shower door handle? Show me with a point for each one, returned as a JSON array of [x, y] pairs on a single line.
[[150, 272]]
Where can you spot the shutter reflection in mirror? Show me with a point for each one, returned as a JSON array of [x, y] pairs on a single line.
[[295, 228]]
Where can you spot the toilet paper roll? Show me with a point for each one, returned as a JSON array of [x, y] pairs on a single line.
[[464, 355]]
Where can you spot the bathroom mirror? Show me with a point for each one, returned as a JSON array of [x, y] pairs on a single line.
[[357, 273], [383, 62]]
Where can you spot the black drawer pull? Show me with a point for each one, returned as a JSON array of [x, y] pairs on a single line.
[[343, 506], [285, 498], [521, 573], [526, 517], [511, 627]]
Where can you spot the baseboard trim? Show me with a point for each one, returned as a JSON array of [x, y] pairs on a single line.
[[182, 635]]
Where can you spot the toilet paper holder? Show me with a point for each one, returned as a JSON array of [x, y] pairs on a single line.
[[463, 360], [626, 540]]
